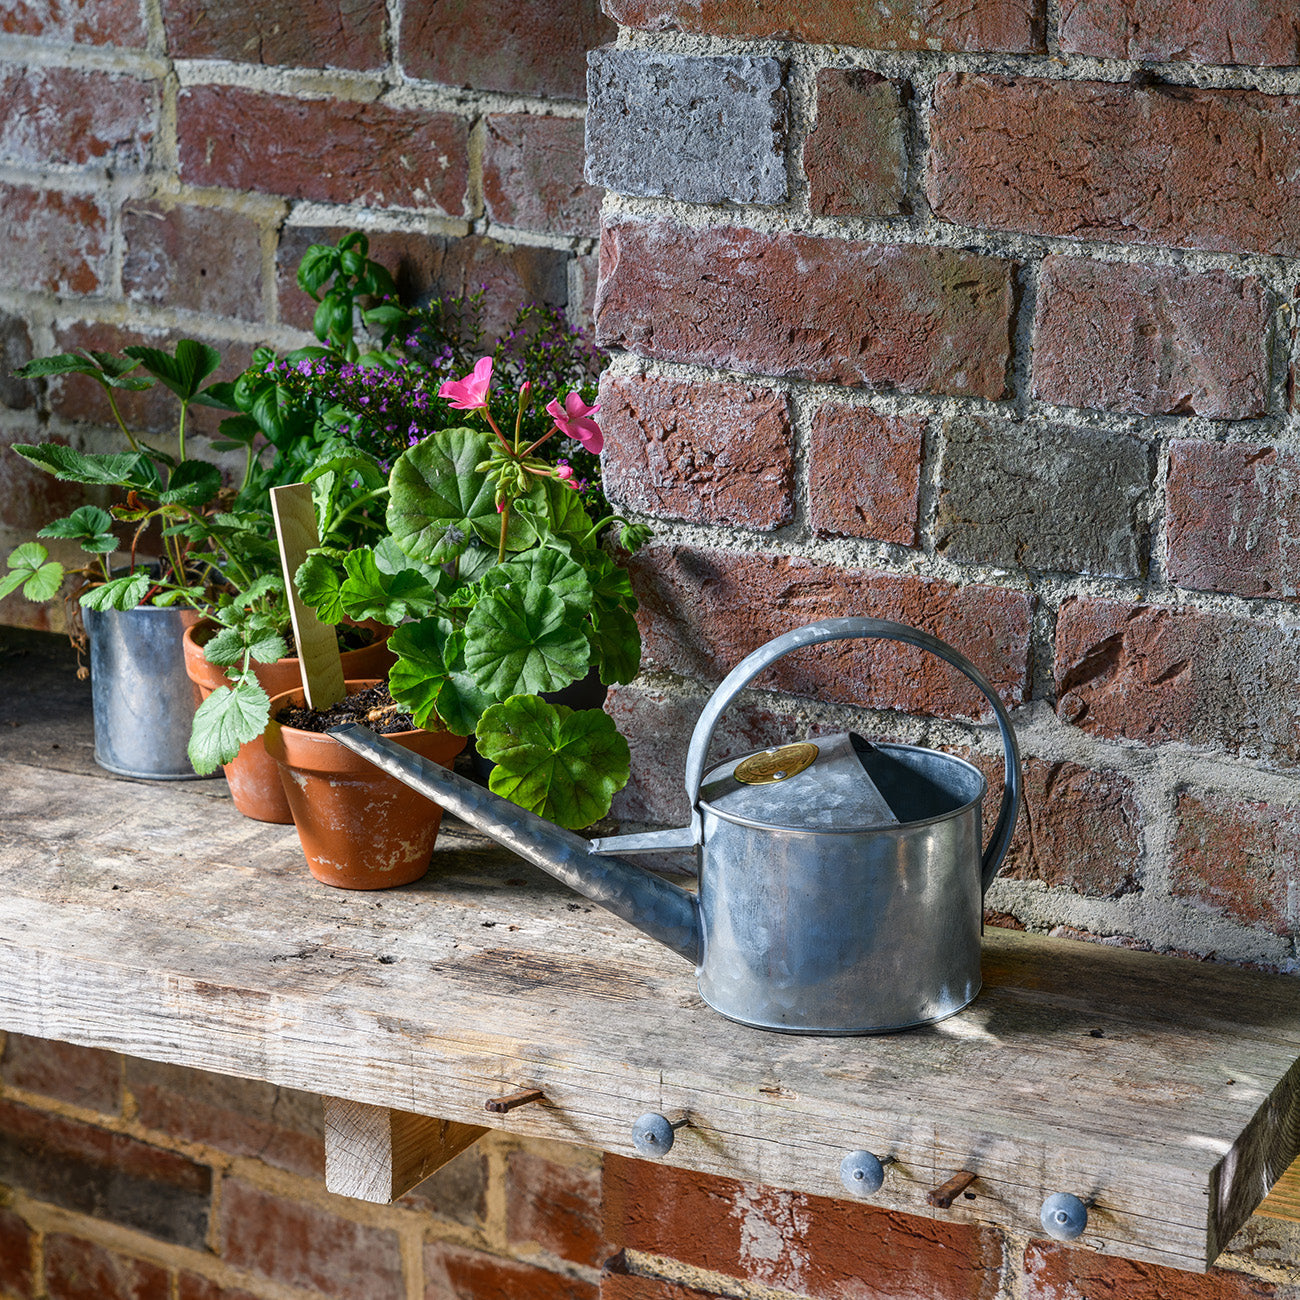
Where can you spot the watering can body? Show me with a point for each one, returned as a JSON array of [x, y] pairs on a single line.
[[841, 882]]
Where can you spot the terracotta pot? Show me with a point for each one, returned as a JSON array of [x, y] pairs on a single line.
[[359, 827], [253, 777]]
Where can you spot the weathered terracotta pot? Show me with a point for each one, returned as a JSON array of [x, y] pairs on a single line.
[[359, 828], [253, 777]]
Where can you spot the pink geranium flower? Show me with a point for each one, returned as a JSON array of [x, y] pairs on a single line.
[[470, 393], [573, 419]]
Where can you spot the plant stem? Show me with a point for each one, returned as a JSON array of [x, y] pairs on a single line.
[[121, 424], [180, 429], [505, 524], [528, 451]]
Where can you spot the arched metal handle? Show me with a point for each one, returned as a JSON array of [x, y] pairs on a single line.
[[844, 629]]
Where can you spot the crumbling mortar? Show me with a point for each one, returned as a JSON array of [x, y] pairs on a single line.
[[801, 420], [39, 52], [475, 205], [1276, 273], [925, 66], [801, 113]]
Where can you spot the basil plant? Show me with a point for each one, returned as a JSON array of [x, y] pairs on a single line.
[[501, 593]]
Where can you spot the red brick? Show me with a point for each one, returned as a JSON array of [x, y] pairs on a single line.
[[1016, 25], [332, 151], [703, 610], [452, 1273], [843, 311], [1078, 829], [297, 33], [57, 242], [1229, 508], [431, 265], [1177, 166], [811, 1245], [616, 1283], [864, 474], [516, 45], [85, 22], [706, 453], [1150, 340], [113, 1177], [555, 1207], [82, 1270], [1236, 858], [855, 158], [154, 409], [197, 259], [1258, 33], [532, 175], [1159, 674], [658, 728], [16, 1242], [190, 1286], [305, 1246], [82, 1076], [66, 117], [240, 1116], [1059, 1273]]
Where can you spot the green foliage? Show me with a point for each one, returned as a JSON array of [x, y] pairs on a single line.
[[231, 716], [565, 765], [31, 568]]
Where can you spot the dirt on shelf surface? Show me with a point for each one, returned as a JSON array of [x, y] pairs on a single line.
[[374, 707]]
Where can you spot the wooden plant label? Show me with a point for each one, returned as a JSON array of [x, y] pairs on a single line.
[[318, 647]]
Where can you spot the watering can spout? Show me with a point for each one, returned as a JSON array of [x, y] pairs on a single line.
[[662, 910]]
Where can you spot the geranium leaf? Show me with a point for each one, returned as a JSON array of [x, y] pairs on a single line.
[[563, 765], [617, 641], [228, 718], [421, 669], [548, 568], [439, 499], [520, 639]]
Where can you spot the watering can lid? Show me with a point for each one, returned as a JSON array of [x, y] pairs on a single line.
[[840, 783]]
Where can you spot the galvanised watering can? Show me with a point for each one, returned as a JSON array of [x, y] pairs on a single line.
[[841, 882]]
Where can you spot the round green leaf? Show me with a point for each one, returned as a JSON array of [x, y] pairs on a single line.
[[555, 571], [439, 499], [520, 639], [563, 765]]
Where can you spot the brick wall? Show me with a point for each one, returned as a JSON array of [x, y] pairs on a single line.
[[163, 166], [980, 317]]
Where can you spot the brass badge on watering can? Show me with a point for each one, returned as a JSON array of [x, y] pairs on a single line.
[[772, 765]]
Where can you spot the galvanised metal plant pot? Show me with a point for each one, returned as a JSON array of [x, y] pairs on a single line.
[[143, 699]]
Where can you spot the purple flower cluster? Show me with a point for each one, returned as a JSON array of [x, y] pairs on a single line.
[[387, 410]]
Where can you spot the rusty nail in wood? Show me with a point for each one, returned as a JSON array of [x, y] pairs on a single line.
[[942, 1197], [499, 1105]]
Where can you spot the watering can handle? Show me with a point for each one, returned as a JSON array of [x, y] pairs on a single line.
[[843, 629]]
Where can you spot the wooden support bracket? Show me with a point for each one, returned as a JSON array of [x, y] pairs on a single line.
[[376, 1154]]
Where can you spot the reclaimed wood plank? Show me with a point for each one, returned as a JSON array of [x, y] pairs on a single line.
[[167, 930], [373, 1153]]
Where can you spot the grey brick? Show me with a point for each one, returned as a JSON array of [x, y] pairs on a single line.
[[698, 128], [1041, 497]]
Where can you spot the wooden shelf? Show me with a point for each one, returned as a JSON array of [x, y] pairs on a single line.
[[155, 921]]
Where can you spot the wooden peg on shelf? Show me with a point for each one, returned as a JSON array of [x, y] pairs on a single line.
[[944, 1195], [500, 1105]]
